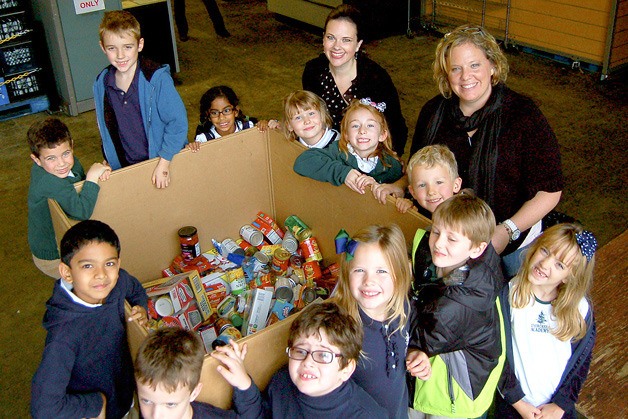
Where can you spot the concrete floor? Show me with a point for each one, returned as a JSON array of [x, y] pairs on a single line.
[[263, 61]]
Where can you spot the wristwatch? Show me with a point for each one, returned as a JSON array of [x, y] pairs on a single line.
[[513, 230]]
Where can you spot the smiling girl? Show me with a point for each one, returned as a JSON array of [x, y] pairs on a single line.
[[363, 155], [307, 120], [551, 331], [373, 287]]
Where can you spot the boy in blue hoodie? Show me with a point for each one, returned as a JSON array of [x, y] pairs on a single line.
[[86, 369], [139, 112]]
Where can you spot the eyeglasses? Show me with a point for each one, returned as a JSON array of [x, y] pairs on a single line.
[[322, 357], [215, 113], [470, 30]]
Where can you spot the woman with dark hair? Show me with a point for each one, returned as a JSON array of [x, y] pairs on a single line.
[[505, 149], [343, 73]]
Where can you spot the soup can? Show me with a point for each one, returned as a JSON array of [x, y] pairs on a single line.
[[281, 261], [310, 250], [294, 224], [289, 242], [251, 235], [237, 280], [283, 289], [312, 271]]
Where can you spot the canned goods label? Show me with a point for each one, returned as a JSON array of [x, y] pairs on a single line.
[[310, 250], [312, 271], [237, 280], [281, 261], [295, 224], [251, 235]]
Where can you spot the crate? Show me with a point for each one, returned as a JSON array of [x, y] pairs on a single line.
[[13, 25], [7, 6], [23, 86], [17, 58], [24, 107]]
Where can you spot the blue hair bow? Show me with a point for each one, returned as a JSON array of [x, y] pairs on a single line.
[[345, 244], [588, 244]]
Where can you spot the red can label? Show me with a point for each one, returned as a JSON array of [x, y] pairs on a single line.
[[309, 247], [312, 271]]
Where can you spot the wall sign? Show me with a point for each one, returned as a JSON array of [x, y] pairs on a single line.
[[87, 6]]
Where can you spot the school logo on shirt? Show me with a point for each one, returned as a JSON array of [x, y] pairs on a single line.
[[541, 325]]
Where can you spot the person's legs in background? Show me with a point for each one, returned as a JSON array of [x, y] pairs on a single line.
[[180, 20], [216, 17]]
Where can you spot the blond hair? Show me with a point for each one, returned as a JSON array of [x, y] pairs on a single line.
[[384, 148], [468, 215], [119, 22], [304, 100], [561, 241], [392, 243], [468, 34], [432, 155]]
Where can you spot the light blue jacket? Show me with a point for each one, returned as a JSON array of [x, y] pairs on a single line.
[[163, 113]]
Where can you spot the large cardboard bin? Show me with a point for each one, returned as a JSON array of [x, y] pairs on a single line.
[[217, 190]]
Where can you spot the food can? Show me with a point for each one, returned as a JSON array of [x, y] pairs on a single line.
[[308, 295], [298, 275], [294, 224], [304, 234], [262, 258], [249, 249], [296, 262], [281, 261], [226, 306], [251, 235], [237, 280], [164, 306], [312, 271], [230, 246], [190, 246], [289, 242], [283, 289], [310, 250]]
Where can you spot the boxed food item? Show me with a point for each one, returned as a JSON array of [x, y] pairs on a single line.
[[181, 290], [264, 181], [259, 302]]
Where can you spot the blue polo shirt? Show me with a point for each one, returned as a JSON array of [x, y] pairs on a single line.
[[126, 106]]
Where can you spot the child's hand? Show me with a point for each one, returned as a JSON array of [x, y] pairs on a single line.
[[526, 410], [418, 364], [381, 191], [357, 181], [139, 315], [105, 175], [193, 146], [264, 125], [161, 175], [550, 411], [403, 205], [96, 171], [232, 358]]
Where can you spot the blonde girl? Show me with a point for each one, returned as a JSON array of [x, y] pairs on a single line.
[[551, 332], [307, 120], [373, 287], [363, 156]]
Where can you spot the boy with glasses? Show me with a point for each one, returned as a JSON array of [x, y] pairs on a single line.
[[323, 348]]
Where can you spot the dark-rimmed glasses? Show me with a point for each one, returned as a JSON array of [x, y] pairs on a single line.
[[322, 357], [215, 113]]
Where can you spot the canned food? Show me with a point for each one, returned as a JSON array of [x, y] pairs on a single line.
[[283, 289], [294, 224], [251, 235], [281, 261], [312, 271], [262, 258], [289, 242], [308, 295], [190, 246], [237, 280], [230, 246], [164, 306], [310, 250], [296, 261], [249, 249], [226, 306], [298, 275]]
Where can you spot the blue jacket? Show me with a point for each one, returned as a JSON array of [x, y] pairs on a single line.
[[86, 353], [163, 112]]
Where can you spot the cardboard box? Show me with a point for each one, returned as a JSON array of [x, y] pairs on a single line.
[[251, 172], [183, 289]]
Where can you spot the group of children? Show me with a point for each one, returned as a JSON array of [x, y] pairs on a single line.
[[447, 318]]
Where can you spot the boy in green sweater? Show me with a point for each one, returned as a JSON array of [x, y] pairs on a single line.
[[53, 174]]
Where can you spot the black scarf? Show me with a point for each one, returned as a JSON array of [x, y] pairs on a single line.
[[484, 150]]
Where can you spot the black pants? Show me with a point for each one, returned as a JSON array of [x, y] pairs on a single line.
[[212, 9]]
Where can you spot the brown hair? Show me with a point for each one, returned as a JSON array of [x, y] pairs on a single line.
[[119, 22], [348, 13], [468, 215], [392, 244], [559, 240], [171, 357], [432, 155], [48, 133], [383, 148], [341, 329], [468, 34], [304, 100]]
